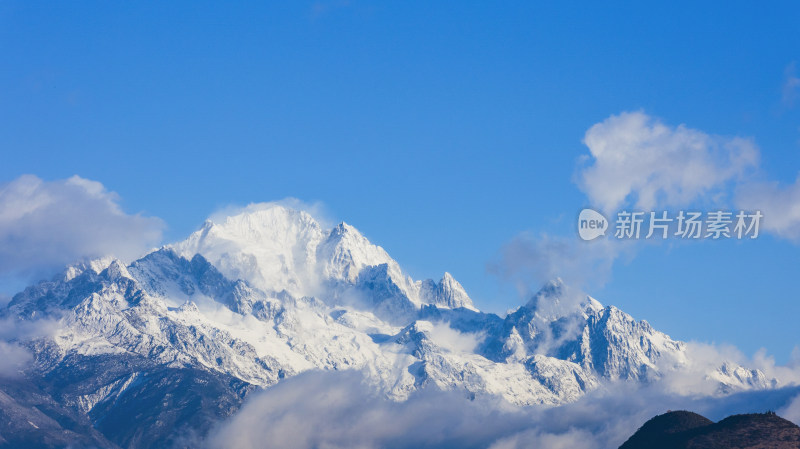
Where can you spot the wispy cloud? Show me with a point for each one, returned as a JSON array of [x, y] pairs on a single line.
[[14, 359], [791, 85], [530, 260]]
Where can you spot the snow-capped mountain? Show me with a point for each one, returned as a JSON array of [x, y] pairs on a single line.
[[192, 328]]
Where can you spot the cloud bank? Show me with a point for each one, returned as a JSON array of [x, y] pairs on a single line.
[[45, 225]]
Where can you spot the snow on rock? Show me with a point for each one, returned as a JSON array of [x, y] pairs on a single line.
[[448, 292], [268, 293], [275, 248]]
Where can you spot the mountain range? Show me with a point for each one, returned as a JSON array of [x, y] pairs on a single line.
[[151, 352]]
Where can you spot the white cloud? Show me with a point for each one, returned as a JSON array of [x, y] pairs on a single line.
[[638, 160], [792, 410], [11, 329], [47, 224], [445, 336], [14, 358], [635, 162], [337, 410], [572, 439]]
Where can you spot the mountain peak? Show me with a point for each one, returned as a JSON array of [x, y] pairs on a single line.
[[557, 299], [343, 228], [272, 221], [553, 288], [116, 270], [549, 300], [452, 293], [95, 265], [277, 248], [269, 245]]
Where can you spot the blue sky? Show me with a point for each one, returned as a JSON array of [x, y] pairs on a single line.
[[441, 131]]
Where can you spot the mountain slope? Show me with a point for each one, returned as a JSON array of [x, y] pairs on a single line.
[[677, 430], [30, 418]]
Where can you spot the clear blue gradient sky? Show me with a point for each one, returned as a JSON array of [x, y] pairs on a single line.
[[440, 130]]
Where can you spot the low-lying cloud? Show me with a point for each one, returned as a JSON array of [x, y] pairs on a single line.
[[45, 225], [13, 359], [339, 410], [14, 356]]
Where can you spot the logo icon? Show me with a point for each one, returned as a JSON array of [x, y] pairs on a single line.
[[591, 224]]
